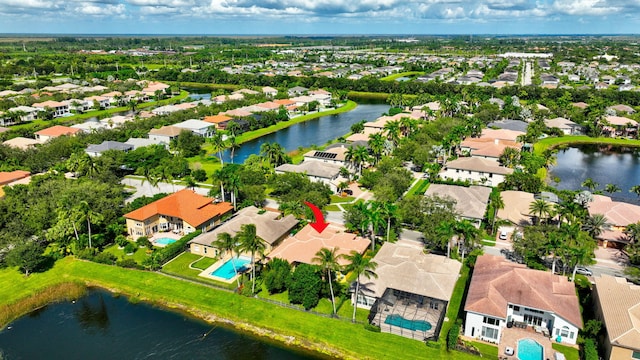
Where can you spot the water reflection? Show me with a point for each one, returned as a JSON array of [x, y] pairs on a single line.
[[93, 316]]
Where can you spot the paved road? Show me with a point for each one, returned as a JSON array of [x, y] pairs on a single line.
[[527, 75]]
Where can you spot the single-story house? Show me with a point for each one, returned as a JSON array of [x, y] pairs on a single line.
[[165, 134], [567, 126], [334, 154], [410, 285], [271, 226], [477, 170], [487, 148], [503, 294], [97, 150], [269, 91], [316, 171], [619, 215], [21, 143], [471, 202], [620, 126], [89, 126], [516, 207], [219, 121], [142, 142], [302, 247], [198, 127], [54, 132], [501, 134], [617, 305], [297, 90], [183, 211], [27, 113], [515, 125]]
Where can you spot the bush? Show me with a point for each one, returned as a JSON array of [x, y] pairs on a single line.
[[143, 241], [277, 275], [121, 241], [105, 258], [452, 337], [589, 350], [130, 248], [199, 175], [87, 253], [129, 263], [304, 286], [372, 328], [172, 250]]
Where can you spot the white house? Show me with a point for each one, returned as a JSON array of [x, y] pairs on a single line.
[[476, 170], [503, 294], [59, 108], [315, 171], [567, 126], [198, 127]]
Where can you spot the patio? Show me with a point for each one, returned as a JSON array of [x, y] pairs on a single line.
[[510, 337]]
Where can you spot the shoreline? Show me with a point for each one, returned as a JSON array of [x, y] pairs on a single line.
[[554, 142]]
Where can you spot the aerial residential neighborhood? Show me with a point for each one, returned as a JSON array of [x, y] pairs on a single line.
[[436, 197]]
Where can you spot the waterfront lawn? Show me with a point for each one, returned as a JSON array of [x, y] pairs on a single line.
[[207, 162], [179, 266], [551, 142], [569, 352], [319, 332], [139, 256]]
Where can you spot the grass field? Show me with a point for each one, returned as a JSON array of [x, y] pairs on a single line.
[[402, 74], [552, 142], [419, 188], [341, 338], [138, 256], [569, 352]]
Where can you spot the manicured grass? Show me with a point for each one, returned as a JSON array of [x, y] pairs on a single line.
[[204, 263], [487, 242], [139, 256], [569, 352], [487, 350], [179, 266], [341, 199], [250, 135], [399, 75], [207, 163], [552, 142], [419, 188], [323, 334], [331, 208]]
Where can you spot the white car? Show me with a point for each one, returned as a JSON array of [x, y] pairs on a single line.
[[503, 235], [584, 271]]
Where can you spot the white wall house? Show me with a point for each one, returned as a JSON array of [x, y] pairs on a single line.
[[476, 170], [316, 171]]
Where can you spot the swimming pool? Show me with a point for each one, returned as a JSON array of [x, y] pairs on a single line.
[[529, 349], [397, 320], [165, 241], [226, 270]]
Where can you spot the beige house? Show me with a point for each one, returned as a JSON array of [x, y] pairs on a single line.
[[471, 202], [617, 305], [181, 212], [271, 227]]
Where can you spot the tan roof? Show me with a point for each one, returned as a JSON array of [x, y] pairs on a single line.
[[516, 207], [49, 103], [560, 123], [216, 119], [617, 213], [303, 246], [620, 304], [57, 130], [496, 283], [21, 142], [581, 105], [270, 226], [166, 131], [312, 168], [502, 134], [620, 121], [471, 202], [478, 164], [404, 266]]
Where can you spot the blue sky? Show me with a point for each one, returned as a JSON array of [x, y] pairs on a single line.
[[320, 16]]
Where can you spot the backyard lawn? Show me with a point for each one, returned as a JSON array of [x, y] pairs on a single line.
[[569, 352], [139, 256]]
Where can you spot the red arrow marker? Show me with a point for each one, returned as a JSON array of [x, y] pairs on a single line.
[[319, 224]]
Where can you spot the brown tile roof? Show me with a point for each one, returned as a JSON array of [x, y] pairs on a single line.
[[496, 283], [185, 204], [617, 213], [303, 246], [502, 134], [620, 304], [57, 130], [7, 177], [285, 102]]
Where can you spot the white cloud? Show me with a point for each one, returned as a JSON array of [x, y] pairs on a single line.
[[585, 7], [90, 8]]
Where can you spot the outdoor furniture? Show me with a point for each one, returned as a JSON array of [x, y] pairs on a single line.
[[508, 351]]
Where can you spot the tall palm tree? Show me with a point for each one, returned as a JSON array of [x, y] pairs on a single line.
[[389, 210], [590, 184], [612, 188], [377, 145], [498, 203], [596, 224], [445, 231], [89, 215], [218, 145], [393, 131], [227, 243], [361, 265], [274, 153], [540, 209], [553, 246], [360, 156], [328, 261], [233, 145], [251, 242], [363, 208], [469, 234], [374, 213], [633, 232]]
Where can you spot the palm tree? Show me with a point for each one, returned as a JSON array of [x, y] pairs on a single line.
[[233, 145], [596, 224], [328, 261], [612, 188], [374, 213], [89, 215], [218, 145], [274, 153], [635, 189], [633, 232], [498, 203], [251, 242], [393, 131], [590, 184], [553, 246], [469, 234], [540, 209], [361, 265], [377, 145], [389, 210], [360, 156], [510, 157], [445, 231], [225, 242], [363, 208]]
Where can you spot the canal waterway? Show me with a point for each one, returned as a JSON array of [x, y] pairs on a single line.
[[101, 326], [602, 163], [313, 132]]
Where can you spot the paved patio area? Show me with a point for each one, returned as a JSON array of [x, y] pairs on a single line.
[[510, 337]]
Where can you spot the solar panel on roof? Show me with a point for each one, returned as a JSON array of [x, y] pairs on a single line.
[[325, 155]]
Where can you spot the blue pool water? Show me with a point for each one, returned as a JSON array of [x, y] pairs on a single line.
[[226, 270], [165, 241], [529, 349], [397, 320]]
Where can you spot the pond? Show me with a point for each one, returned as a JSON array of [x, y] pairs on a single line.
[[101, 326], [313, 132], [604, 164]]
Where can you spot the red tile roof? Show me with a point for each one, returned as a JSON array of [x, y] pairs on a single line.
[[185, 204], [57, 130], [7, 177], [217, 119]]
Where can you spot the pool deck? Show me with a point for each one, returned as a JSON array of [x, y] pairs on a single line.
[[160, 235], [510, 337], [207, 273]]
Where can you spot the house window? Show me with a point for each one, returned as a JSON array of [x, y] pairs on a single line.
[[205, 249], [635, 355], [433, 305], [534, 320], [490, 321], [196, 248], [565, 331], [516, 308], [489, 333]]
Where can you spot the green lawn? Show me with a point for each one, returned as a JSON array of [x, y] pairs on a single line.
[[419, 188], [552, 142], [138, 256], [399, 75], [487, 350], [332, 208], [341, 199], [351, 340], [179, 266], [207, 163], [204, 263], [569, 352]]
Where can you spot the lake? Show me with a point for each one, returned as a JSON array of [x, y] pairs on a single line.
[[604, 164], [101, 326], [313, 132]]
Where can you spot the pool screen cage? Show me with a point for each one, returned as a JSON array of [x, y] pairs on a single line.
[[413, 309]]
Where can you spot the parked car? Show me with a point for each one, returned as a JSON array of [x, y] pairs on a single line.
[[503, 235], [583, 271]]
